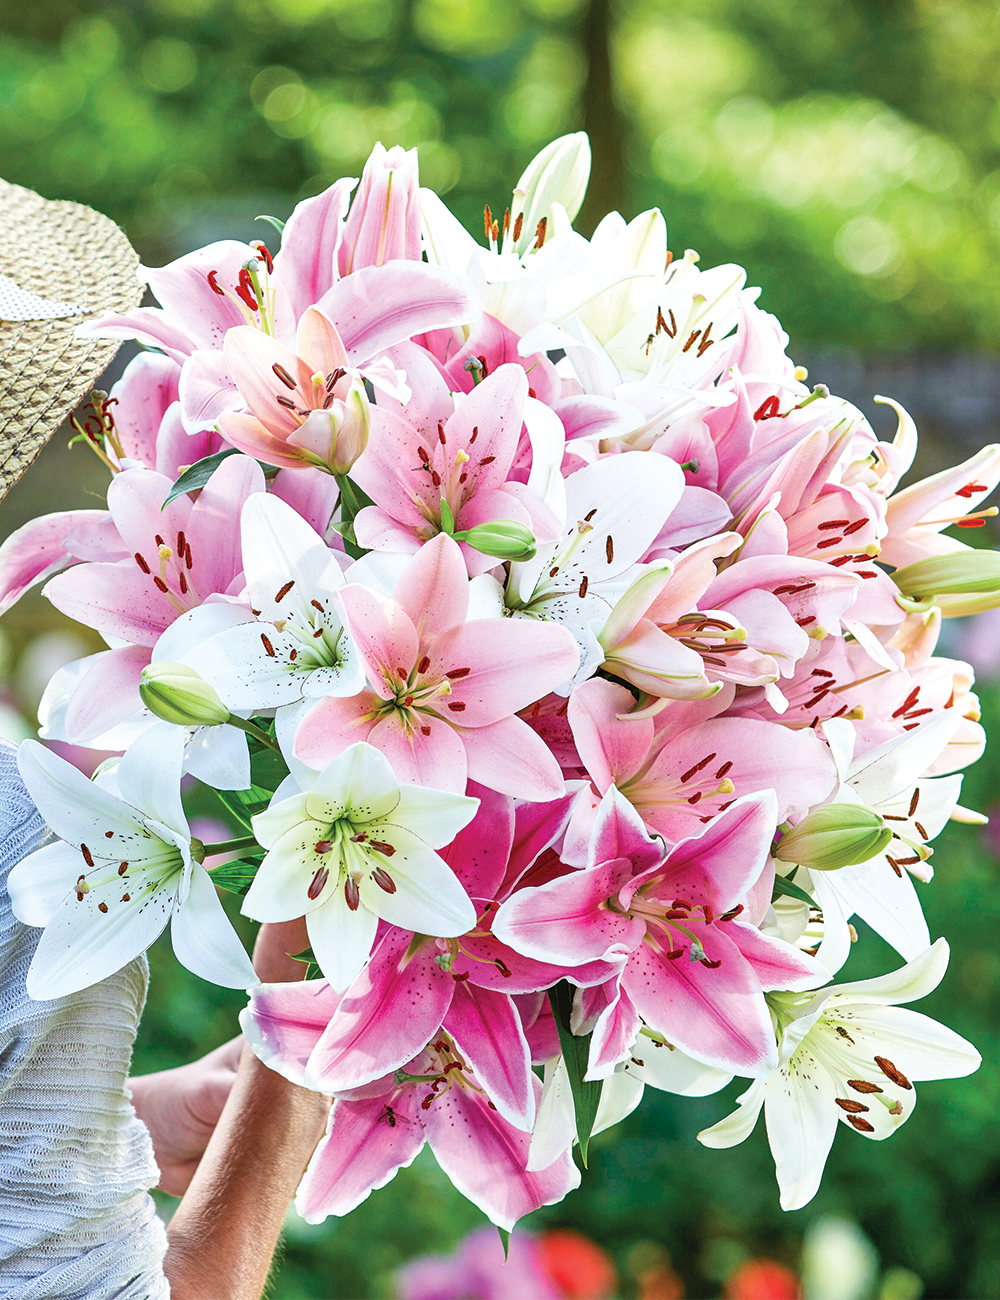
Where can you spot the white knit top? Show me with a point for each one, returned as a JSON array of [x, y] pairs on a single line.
[[76, 1165]]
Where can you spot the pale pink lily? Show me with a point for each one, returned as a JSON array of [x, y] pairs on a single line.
[[355, 847], [120, 871], [177, 557], [444, 691], [692, 971], [305, 406], [848, 1053], [43, 546], [384, 221], [682, 629], [379, 1128], [686, 765], [414, 474], [916, 516]]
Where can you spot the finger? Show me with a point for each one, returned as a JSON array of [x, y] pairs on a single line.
[[275, 941]]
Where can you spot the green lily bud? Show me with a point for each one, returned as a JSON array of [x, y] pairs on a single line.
[[836, 835], [503, 538], [178, 694], [960, 582]]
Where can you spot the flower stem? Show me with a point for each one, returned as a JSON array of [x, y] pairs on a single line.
[[253, 730], [231, 846]]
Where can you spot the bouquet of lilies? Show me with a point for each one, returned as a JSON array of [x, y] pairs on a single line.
[[562, 657]]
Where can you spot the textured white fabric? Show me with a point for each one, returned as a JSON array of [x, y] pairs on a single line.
[[76, 1218], [21, 304]]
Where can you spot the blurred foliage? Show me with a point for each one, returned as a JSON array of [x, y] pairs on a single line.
[[848, 153]]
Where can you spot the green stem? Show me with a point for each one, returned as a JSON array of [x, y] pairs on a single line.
[[231, 846], [253, 730]]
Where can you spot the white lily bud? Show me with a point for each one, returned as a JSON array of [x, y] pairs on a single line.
[[836, 835], [179, 695], [559, 174]]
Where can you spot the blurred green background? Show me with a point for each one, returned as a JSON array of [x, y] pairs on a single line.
[[848, 153]]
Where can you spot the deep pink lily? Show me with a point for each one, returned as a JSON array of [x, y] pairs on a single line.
[[692, 971], [444, 692], [414, 983], [380, 1127]]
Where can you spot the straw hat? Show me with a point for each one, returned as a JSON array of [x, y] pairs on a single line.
[[60, 264]]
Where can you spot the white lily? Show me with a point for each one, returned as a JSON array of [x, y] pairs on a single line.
[[611, 514], [290, 644], [889, 780], [848, 1053], [122, 869], [355, 848]]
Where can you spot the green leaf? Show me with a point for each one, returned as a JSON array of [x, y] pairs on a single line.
[[307, 955], [782, 885], [505, 1242], [197, 475], [276, 222], [245, 804], [238, 876], [267, 769], [575, 1050]]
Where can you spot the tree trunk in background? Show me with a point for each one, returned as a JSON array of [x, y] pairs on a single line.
[[601, 119]]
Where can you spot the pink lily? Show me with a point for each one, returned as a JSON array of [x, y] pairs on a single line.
[[43, 546], [379, 1128], [693, 972], [417, 474], [916, 516], [305, 408], [683, 767], [444, 692], [384, 221], [176, 558]]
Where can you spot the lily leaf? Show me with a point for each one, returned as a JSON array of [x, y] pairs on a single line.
[[238, 876], [782, 885], [307, 955], [575, 1050], [505, 1242], [197, 475]]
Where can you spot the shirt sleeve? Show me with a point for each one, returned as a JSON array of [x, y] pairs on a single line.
[[76, 1165]]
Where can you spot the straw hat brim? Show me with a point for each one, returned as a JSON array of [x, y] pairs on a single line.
[[68, 253]]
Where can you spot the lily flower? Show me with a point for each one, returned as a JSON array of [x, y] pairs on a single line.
[[438, 1098], [610, 514], [291, 643], [120, 871], [443, 691], [691, 970], [848, 1053], [916, 516], [306, 408], [384, 221], [354, 848]]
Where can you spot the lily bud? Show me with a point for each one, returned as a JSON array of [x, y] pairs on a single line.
[[384, 221], [503, 538], [836, 835], [334, 438], [178, 694], [559, 174], [960, 582]]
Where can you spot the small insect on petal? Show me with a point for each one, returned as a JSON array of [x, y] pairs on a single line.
[[102, 907]]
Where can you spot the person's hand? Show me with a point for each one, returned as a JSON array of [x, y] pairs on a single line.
[[181, 1108]]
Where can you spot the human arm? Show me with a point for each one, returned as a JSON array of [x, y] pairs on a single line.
[[224, 1232]]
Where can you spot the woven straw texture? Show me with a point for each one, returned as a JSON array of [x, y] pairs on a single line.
[[73, 254]]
